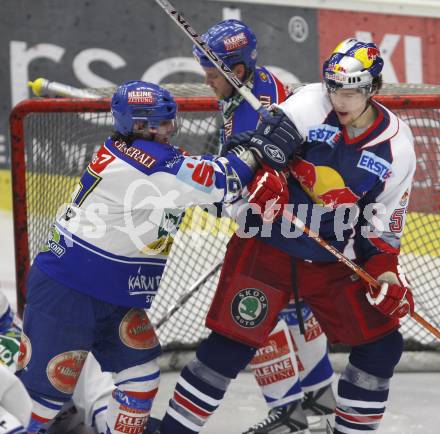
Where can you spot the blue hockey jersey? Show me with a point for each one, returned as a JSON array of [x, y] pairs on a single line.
[[238, 114]]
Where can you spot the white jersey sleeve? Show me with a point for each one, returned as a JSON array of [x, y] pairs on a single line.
[[135, 195], [15, 403], [306, 107], [387, 206]]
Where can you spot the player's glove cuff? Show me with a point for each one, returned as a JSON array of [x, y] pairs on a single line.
[[240, 139], [276, 140]]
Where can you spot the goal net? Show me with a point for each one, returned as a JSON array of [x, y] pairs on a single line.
[[54, 139]]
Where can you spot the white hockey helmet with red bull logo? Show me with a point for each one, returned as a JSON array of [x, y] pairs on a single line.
[[353, 65]]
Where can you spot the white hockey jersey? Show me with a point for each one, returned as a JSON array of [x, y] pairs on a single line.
[[113, 239]]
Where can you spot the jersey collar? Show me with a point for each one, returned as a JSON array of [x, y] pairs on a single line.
[[384, 127], [386, 130]]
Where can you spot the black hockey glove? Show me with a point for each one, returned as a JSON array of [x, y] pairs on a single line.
[[276, 140], [242, 139]]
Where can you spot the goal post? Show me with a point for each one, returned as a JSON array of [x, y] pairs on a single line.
[[52, 141]]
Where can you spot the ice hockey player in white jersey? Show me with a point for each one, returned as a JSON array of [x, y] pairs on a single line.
[[90, 286], [351, 179]]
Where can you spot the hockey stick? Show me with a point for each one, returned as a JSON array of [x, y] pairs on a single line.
[[44, 87], [257, 106], [216, 61], [185, 297], [350, 264]]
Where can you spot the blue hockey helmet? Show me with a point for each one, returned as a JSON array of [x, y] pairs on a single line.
[[233, 41], [141, 101], [352, 65]]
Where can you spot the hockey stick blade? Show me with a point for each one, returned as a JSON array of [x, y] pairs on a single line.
[[215, 59]]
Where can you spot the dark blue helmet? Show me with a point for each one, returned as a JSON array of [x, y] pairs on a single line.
[[232, 41], [141, 101]]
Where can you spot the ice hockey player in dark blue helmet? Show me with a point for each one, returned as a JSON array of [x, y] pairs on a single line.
[[144, 110], [236, 45]]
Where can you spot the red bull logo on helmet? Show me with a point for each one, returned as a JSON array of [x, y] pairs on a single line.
[[235, 42], [373, 53], [141, 97], [367, 56], [338, 68], [323, 184]]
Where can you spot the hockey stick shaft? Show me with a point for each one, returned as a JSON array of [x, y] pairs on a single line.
[[216, 61], [187, 295], [350, 264]]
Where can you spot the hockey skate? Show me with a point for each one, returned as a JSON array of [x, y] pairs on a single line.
[[282, 420], [319, 407]]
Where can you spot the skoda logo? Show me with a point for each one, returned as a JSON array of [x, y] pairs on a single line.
[[274, 153], [249, 307]]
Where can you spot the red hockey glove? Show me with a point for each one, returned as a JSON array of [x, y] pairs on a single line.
[[268, 190], [393, 298]]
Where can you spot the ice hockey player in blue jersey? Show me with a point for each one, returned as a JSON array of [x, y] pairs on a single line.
[[309, 374], [90, 286], [236, 45], [350, 180]]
